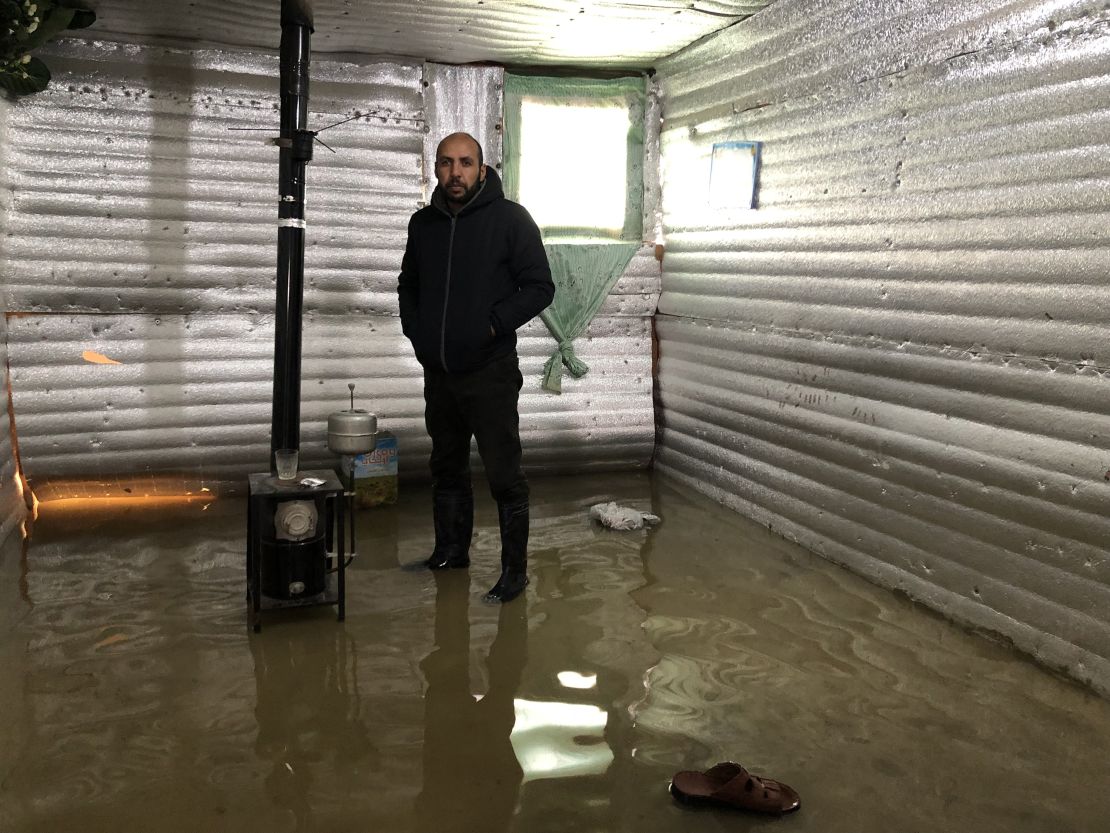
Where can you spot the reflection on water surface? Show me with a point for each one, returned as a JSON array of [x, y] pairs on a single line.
[[135, 699]]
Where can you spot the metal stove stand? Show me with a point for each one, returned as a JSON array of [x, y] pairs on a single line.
[[266, 493]]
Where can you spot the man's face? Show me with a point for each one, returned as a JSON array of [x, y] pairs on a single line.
[[457, 169]]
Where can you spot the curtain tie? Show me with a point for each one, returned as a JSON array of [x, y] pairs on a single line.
[[553, 369]]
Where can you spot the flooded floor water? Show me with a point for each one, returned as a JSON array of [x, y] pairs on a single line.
[[135, 699]]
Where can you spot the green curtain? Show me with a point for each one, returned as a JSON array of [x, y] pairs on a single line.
[[584, 273], [585, 263]]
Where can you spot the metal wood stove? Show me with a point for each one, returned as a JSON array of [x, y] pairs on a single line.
[[296, 548], [295, 527]]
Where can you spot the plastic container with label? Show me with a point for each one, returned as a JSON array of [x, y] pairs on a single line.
[[376, 473]]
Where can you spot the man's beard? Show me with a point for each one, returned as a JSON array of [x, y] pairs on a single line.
[[468, 195]]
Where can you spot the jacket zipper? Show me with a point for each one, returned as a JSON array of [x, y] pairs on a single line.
[[446, 297]]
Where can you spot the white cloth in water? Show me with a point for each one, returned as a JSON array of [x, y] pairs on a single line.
[[621, 517]]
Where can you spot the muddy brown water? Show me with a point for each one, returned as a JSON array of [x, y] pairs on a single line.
[[133, 697]]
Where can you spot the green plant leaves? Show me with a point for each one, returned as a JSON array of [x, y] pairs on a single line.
[[31, 77], [57, 21], [55, 17], [82, 17], [9, 10]]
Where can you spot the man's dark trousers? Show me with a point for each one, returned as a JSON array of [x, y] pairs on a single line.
[[482, 404]]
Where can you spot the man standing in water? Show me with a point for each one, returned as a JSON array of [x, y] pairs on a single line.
[[474, 271]]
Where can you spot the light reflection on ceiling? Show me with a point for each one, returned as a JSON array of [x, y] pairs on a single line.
[[596, 33]]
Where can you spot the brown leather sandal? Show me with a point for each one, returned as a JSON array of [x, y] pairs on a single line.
[[730, 785]]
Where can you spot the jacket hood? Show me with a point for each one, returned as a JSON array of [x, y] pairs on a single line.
[[490, 191]]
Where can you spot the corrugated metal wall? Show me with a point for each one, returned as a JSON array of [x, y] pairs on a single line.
[[466, 99], [900, 357], [12, 507], [142, 230]]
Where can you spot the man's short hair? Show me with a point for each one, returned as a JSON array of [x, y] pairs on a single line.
[[477, 144]]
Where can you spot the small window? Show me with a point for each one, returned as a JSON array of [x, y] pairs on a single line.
[[573, 165], [574, 154]]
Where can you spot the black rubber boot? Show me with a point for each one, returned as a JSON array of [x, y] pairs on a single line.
[[453, 517], [513, 519]]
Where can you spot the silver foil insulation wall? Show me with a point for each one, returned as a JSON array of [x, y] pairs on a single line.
[[899, 358], [139, 263]]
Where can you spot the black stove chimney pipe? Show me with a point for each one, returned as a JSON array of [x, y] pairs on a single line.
[[295, 145]]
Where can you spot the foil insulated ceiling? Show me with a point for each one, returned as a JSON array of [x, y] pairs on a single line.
[[597, 33]]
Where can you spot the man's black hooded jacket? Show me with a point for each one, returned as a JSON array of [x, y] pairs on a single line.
[[463, 274]]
